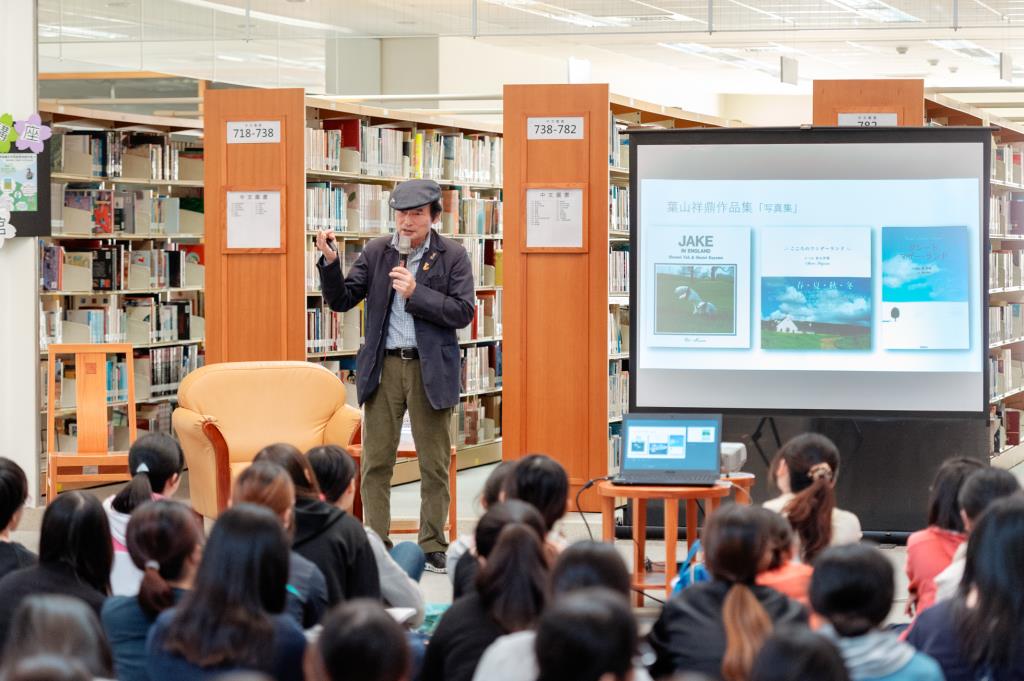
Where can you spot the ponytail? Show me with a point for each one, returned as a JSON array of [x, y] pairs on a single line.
[[161, 536], [152, 460], [135, 493], [747, 626], [513, 582], [810, 514], [812, 461]]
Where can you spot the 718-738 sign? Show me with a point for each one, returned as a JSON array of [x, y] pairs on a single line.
[[554, 128], [254, 132]]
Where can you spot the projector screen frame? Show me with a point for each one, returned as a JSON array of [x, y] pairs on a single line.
[[811, 135]]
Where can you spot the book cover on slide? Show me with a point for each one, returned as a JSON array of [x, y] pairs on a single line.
[[925, 281]]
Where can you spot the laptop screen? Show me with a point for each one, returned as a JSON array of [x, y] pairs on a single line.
[[673, 443]]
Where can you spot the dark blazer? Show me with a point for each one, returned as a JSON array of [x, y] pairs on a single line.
[[444, 300]]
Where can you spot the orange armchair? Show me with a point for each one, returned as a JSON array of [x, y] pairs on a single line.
[[228, 412]]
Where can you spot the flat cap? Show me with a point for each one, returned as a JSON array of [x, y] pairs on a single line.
[[415, 193]]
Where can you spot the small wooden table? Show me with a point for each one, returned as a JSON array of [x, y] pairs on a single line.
[[671, 495], [407, 526], [744, 482]]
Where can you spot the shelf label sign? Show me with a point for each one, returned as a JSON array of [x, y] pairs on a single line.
[[868, 120], [254, 132], [556, 128], [554, 218]]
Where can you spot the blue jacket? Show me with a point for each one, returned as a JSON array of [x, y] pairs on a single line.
[[444, 300]]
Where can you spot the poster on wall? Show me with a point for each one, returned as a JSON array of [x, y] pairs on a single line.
[[25, 174]]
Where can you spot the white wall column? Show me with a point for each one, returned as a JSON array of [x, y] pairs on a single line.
[[352, 66], [19, 281]]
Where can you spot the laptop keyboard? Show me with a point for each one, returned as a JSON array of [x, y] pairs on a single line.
[[663, 478]]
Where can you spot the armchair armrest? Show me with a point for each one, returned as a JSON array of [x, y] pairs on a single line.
[[342, 426], [206, 453]]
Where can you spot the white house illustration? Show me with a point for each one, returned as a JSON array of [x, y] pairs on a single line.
[[787, 325]]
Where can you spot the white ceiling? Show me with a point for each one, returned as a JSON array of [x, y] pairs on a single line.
[[735, 49]]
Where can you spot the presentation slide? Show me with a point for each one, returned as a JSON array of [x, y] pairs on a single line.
[[853, 282]]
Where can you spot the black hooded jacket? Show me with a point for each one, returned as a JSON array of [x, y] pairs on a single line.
[[336, 543]]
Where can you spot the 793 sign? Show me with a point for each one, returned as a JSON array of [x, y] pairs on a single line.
[[556, 128], [254, 132]]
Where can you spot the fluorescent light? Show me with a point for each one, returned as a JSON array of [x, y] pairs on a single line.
[[876, 10], [966, 48], [722, 55], [265, 16], [52, 31], [229, 57]]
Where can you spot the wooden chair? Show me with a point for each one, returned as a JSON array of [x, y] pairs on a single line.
[[91, 410]]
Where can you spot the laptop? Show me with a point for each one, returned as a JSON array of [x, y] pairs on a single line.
[[670, 449]]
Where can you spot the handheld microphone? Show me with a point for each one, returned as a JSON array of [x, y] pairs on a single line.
[[404, 249]]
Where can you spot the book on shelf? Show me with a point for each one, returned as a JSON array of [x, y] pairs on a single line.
[[467, 212], [1006, 269], [1005, 322], [618, 208], [153, 418], [354, 146], [618, 330], [131, 154], [618, 390], [476, 420], [614, 448], [326, 207], [481, 367], [618, 272], [1006, 372], [329, 331], [487, 319]]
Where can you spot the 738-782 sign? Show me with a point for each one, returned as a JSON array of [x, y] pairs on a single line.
[[554, 128]]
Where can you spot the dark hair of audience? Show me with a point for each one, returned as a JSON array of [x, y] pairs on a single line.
[[161, 536], [513, 581], [586, 635], [943, 497], [798, 654], [266, 484], [47, 668], [296, 464], [780, 538], [984, 486], [334, 469], [13, 490], [540, 481], [589, 564], [160, 457], [813, 464], [853, 587], [58, 625], [75, 532], [491, 493], [360, 641], [225, 619], [735, 549], [991, 630]]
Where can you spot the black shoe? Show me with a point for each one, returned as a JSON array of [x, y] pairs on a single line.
[[436, 562]]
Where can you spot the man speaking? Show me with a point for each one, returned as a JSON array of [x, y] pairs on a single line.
[[419, 289]]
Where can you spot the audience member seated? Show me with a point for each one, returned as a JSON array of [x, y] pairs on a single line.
[[489, 496], [541, 482], [784, 574], [75, 556], [155, 462], [853, 589], [165, 541], [47, 668], [805, 471], [334, 540], [400, 568], [13, 492], [978, 492], [979, 633], [57, 625], [359, 642], [584, 565], [233, 617], [511, 589], [589, 635], [930, 551], [267, 484], [717, 627], [798, 654]]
